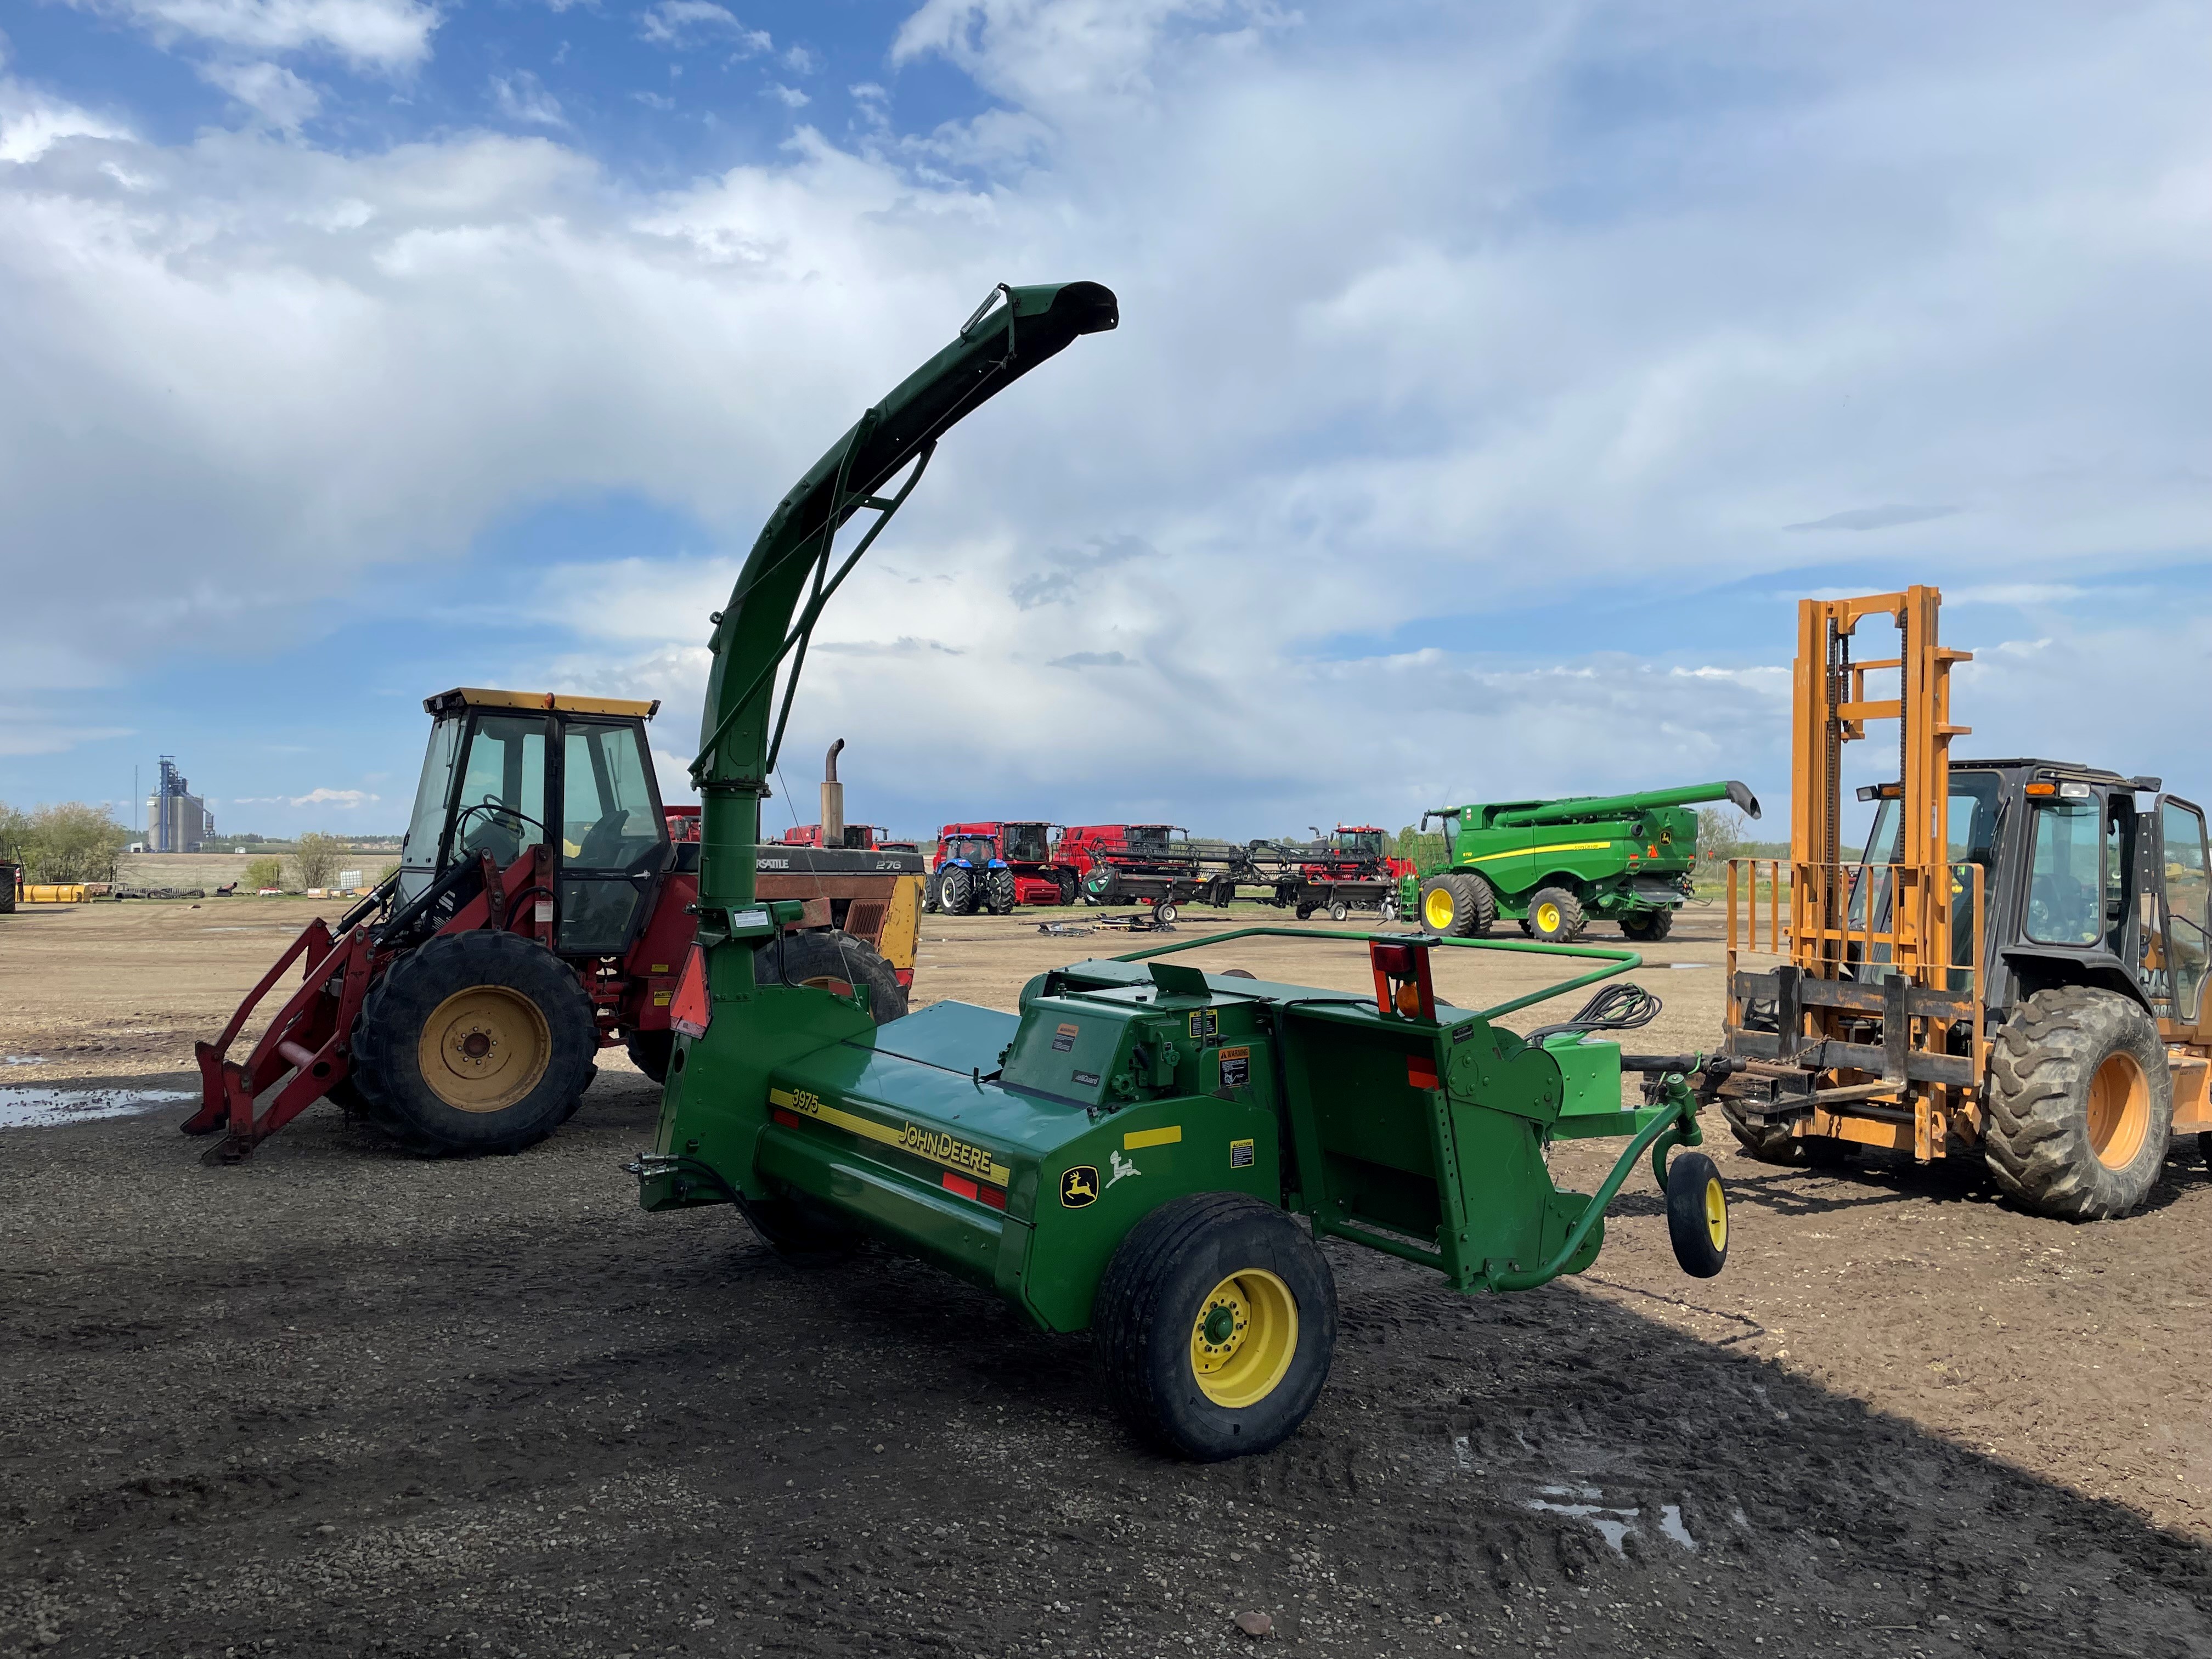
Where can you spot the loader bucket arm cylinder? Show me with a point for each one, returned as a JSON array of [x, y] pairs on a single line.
[[1016, 331], [1614, 806]]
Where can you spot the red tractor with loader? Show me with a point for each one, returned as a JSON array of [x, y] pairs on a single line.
[[541, 911]]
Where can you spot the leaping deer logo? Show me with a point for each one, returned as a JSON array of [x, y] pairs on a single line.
[[1079, 1186]]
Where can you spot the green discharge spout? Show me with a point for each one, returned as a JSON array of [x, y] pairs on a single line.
[[1589, 807]]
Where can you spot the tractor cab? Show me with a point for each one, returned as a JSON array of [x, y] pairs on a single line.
[[508, 771]]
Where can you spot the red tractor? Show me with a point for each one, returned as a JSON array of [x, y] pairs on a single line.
[[542, 911], [996, 865]]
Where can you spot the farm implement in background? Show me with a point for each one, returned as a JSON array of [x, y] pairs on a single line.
[[1145, 1151]]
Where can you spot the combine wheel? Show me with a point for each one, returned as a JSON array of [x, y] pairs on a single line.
[[833, 961], [1214, 1325], [1648, 926], [955, 890], [2080, 1104], [1457, 905], [650, 1051], [476, 1042], [1071, 890], [1773, 1143], [1697, 1215], [999, 891], [1555, 916]]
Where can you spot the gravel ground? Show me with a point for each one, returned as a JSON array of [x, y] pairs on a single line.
[[336, 1400]]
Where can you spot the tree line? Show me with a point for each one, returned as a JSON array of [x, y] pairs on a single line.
[[74, 841]]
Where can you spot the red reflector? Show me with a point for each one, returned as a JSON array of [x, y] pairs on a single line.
[[691, 1009], [904, 976], [1395, 960], [960, 1184], [1420, 1072], [993, 1197], [789, 1120]]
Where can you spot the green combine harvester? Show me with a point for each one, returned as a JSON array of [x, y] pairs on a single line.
[[1557, 866], [1131, 1153]]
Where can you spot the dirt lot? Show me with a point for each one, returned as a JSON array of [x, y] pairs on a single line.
[[339, 1401]]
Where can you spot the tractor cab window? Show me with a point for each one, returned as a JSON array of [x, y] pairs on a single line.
[[2188, 906], [500, 809], [611, 837], [973, 848], [418, 853], [2066, 877]]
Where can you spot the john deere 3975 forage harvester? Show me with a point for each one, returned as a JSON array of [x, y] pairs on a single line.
[[1125, 1154]]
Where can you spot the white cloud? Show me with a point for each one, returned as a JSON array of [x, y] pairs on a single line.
[[789, 97], [685, 23], [270, 91], [388, 35], [346, 799], [31, 123], [522, 96], [32, 731]]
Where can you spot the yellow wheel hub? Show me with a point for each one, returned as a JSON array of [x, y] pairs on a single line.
[[484, 1049], [1437, 908], [1547, 918], [2119, 1111], [1717, 1214], [1242, 1339]]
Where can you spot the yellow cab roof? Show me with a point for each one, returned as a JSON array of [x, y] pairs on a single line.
[[476, 697]]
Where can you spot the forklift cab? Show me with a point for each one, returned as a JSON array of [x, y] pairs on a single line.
[[508, 771], [2079, 884]]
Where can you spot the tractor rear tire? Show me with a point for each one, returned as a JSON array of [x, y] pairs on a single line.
[[929, 894], [956, 891], [1225, 1282], [999, 891], [1774, 1144], [833, 961], [1457, 905], [476, 1042], [1648, 926], [650, 1051], [1555, 916], [2080, 1104]]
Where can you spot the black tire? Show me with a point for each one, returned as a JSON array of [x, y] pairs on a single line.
[[650, 1051], [1162, 1284], [836, 962], [1648, 926], [2204, 1149], [1221, 892], [955, 890], [1774, 1144], [1527, 931], [2080, 1104], [999, 891], [1697, 1215], [1071, 890], [1555, 916], [1339, 910], [510, 1021], [1457, 904], [929, 894], [1305, 913]]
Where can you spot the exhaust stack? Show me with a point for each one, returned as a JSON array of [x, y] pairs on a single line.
[[833, 799]]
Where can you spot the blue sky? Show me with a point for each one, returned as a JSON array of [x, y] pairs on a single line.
[[1491, 383]]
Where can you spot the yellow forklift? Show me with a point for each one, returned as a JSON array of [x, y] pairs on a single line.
[[2014, 965]]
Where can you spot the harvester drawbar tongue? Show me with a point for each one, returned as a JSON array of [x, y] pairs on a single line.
[[1131, 1153]]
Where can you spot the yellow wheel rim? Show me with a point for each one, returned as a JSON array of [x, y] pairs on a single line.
[[484, 1049], [1547, 918], [1241, 1342], [1717, 1213], [2119, 1111], [1437, 908]]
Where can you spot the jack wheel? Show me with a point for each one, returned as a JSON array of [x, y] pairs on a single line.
[[1697, 1215], [1214, 1326], [1339, 910], [1164, 913]]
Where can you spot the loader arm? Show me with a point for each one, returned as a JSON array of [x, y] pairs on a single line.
[[790, 575]]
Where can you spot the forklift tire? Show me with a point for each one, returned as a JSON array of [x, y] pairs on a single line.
[[1697, 1215], [2080, 1104], [1457, 906], [833, 961], [956, 891], [1555, 916], [999, 891], [1213, 1327], [1773, 1143], [476, 1042], [1648, 926], [650, 1051]]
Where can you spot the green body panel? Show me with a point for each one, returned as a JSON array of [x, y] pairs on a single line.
[[1619, 854]]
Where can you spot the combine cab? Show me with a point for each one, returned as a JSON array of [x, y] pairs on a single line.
[[539, 913]]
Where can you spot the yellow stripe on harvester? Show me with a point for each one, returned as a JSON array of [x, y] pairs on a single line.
[[1167, 1137], [1532, 852], [932, 1144]]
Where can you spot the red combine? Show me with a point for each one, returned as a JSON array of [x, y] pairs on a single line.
[[996, 865]]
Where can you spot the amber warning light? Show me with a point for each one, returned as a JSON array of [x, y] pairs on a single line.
[[1401, 979]]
